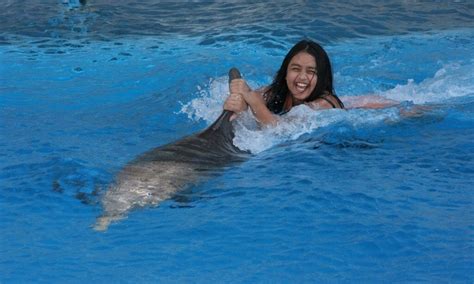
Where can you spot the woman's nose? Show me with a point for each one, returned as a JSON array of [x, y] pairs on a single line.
[[303, 76]]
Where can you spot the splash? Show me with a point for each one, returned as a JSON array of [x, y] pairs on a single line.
[[301, 120], [451, 81], [399, 68], [208, 104]]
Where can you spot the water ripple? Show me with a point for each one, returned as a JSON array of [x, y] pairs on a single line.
[[283, 21]]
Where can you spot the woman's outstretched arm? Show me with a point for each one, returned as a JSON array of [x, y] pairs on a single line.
[[377, 102], [368, 101]]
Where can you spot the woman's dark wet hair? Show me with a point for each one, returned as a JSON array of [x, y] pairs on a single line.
[[278, 90]]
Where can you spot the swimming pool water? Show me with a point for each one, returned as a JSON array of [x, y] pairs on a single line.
[[331, 196]]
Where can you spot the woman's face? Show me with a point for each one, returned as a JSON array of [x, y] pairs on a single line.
[[301, 76]]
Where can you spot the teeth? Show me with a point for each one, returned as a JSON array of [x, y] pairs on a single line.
[[301, 86]]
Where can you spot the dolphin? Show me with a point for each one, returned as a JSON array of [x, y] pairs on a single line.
[[161, 173]]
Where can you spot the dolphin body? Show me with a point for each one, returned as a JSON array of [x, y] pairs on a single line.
[[163, 172]]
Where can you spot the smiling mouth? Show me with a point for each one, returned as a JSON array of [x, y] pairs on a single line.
[[301, 87]]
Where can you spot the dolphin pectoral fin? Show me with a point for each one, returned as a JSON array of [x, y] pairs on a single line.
[[103, 222]]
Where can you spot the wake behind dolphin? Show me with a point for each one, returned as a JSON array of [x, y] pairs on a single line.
[[161, 173]]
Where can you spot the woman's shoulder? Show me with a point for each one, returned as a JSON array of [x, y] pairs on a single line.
[[327, 100]]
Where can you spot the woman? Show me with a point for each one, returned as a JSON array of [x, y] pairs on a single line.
[[305, 77]]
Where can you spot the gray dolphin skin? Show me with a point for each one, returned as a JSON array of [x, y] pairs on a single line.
[[163, 172]]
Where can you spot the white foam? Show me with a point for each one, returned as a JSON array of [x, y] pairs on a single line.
[[303, 120], [208, 104], [451, 81]]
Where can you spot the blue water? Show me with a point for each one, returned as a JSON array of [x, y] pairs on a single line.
[[332, 196]]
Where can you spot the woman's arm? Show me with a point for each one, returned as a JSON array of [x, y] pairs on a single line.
[[377, 102], [254, 99], [259, 108], [368, 101]]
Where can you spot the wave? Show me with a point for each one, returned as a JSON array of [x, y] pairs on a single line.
[[452, 81]]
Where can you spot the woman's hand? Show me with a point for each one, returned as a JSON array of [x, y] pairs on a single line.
[[235, 103], [415, 110], [239, 86], [252, 98], [242, 96]]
